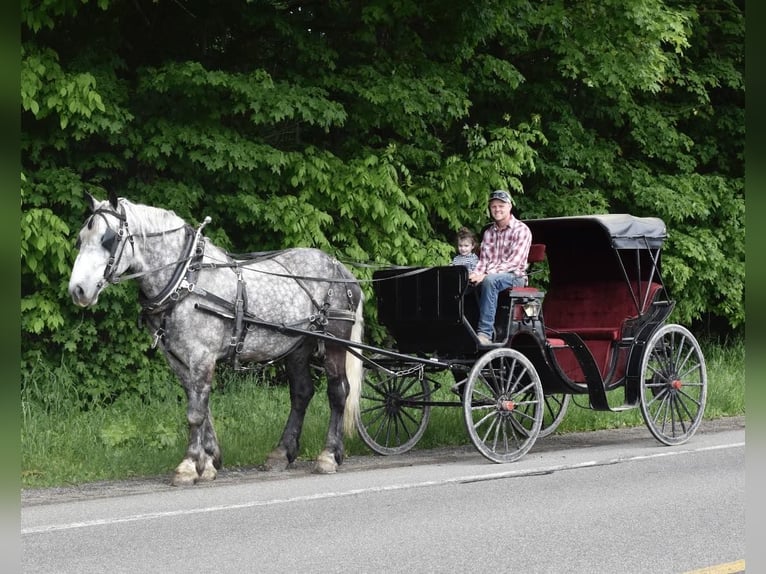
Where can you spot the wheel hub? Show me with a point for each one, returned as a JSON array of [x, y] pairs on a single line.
[[506, 405], [392, 404]]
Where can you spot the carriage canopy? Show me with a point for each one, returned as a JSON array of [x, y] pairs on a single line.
[[619, 230], [604, 247]]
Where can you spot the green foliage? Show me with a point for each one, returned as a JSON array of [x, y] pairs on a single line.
[[373, 130]]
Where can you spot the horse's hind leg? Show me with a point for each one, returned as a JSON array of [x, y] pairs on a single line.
[[301, 392], [337, 390]]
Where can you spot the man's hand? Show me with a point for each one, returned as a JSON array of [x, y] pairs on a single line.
[[476, 277]]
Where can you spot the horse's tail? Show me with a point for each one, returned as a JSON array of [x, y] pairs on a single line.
[[354, 373]]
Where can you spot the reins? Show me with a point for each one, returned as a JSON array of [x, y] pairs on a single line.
[[124, 233], [242, 263]]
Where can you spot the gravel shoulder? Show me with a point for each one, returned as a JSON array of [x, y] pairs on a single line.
[[555, 442]]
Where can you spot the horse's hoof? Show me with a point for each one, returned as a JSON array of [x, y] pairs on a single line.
[[183, 480], [325, 463], [185, 474], [277, 460], [209, 473]]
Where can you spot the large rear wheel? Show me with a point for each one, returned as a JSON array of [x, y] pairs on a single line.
[[555, 408], [673, 384], [393, 411], [503, 405]]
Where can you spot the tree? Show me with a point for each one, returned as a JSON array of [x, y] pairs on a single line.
[[372, 130]]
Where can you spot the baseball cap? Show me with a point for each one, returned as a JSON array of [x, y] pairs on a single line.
[[500, 194]]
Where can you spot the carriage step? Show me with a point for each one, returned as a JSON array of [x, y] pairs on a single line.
[[623, 407], [492, 345]]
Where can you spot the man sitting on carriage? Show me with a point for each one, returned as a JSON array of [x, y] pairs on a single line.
[[502, 260]]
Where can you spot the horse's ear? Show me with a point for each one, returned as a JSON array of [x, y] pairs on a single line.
[[113, 199], [91, 200]]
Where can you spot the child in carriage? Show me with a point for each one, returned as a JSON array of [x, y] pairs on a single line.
[[466, 249]]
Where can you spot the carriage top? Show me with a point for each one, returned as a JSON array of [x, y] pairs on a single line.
[[623, 231], [601, 248]]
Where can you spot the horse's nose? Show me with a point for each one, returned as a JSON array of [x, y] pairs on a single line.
[[75, 291], [78, 295]]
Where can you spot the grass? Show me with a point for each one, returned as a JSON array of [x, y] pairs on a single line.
[[62, 445]]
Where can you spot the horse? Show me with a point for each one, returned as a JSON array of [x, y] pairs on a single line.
[[203, 305]]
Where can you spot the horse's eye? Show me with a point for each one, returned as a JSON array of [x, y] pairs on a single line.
[[77, 244], [107, 241]]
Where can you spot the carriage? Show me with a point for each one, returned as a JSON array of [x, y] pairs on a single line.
[[598, 326]]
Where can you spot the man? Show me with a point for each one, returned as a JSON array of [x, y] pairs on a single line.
[[502, 260]]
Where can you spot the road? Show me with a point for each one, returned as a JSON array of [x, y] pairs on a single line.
[[603, 502]]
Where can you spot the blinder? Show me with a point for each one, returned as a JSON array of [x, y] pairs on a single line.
[[107, 241], [112, 241]]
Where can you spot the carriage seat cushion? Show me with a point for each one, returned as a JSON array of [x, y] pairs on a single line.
[[592, 310]]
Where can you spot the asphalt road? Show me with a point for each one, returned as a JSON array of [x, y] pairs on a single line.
[[609, 501]]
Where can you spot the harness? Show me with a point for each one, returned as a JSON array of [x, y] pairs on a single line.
[[244, 319]]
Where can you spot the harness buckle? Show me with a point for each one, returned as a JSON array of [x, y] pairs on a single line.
[[159, 334], [186, 285]]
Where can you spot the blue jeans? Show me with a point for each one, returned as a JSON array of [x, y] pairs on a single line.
[[491, 286]]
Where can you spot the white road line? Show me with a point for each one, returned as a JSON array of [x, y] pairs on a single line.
[[344, 493]]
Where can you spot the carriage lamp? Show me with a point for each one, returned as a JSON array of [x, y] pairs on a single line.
[[532, 309]]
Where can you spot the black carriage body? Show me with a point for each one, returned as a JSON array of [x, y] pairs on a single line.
[[434, 310]]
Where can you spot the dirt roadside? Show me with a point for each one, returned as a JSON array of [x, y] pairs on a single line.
[[37, 496]]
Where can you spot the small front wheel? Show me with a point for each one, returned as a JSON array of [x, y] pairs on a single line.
[[673, 385], [394, 407], [503, 405]]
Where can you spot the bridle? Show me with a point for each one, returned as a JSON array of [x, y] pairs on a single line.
[[116, 241], [113, 241]]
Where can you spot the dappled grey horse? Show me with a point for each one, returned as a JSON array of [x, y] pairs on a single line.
[[202, 305]]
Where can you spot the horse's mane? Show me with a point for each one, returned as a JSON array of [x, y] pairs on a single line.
[[145, 219]]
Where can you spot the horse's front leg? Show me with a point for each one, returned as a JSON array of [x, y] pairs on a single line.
[[203, 454]]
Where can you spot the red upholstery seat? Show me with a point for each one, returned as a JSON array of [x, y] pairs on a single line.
[[597, 313], [592, 310]]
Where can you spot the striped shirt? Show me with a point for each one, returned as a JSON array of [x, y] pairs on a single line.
[[505, 250], [469, 260]]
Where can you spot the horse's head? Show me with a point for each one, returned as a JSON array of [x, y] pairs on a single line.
[[101, 243]]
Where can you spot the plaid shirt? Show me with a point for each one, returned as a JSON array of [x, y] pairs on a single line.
[[505, 250]]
